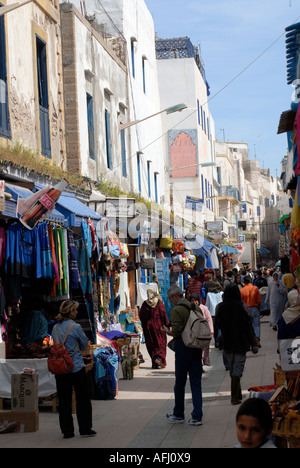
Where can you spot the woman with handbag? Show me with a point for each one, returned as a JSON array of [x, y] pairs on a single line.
[[75, 342], [153, 317]]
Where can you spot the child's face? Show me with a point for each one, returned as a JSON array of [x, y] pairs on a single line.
[[250, 432]]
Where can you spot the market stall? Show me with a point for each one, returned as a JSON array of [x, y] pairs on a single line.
[[62, 257]]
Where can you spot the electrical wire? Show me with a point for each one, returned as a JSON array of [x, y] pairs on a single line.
[[211, 98]]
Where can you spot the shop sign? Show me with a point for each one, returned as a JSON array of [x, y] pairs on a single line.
[[216, 235], [290, 354], [195, 204], [214, 226], [120, 207]]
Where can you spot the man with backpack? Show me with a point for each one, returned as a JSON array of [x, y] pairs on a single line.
[[187, 360]]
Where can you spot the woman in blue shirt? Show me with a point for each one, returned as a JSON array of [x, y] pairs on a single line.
[[76, 342]]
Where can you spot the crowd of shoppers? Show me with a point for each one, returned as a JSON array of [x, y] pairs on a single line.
[[233, 306]]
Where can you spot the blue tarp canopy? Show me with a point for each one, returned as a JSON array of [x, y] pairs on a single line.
[[199, 245], [263, 251], [229, 250]]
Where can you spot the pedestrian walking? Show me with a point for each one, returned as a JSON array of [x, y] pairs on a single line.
[[229, 278], [251, 297], [188, 361], [238, 281], [76, 342], [276, 298], [237, 337], [153, 317]]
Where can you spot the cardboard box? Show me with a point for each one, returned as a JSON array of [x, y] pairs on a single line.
[[26, 421], [24, 392]]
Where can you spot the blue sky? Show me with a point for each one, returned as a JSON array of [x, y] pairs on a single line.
[[231, 34]]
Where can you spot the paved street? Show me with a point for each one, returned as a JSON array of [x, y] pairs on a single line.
[[137, 418]]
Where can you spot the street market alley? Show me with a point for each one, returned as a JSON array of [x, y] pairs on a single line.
[[136, 419]]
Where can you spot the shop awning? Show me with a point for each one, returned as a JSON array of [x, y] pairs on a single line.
[[286, 122], [73, 210], [23, 192], [229, 250], [263, 251]]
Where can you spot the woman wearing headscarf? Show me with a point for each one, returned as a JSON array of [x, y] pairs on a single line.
[[153, 317], [289, 324], [276, 298]]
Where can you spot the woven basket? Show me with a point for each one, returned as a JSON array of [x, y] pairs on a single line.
[[287, 426], [279, 377]]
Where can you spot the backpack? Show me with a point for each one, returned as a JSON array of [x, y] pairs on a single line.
[[59, 359], [196, 333]]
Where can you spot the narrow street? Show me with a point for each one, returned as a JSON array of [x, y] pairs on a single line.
[[137, 418]]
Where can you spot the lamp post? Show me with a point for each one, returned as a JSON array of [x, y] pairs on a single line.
[[169, 110], [13, 6]]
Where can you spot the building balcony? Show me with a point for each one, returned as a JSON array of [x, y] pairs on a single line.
[[229, 192]]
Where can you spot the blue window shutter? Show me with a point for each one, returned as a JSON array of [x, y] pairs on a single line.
[[4, 114], [132, 58], [149, 179], [108, 140], [155, 187], [144, 74], [43, 96], [90, 118], [123, 153], [139, 171]]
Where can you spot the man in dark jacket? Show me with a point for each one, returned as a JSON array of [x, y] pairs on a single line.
[[237, 337], [187, 361]]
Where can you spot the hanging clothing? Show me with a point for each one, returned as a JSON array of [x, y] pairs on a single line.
[[73, 264], [44, 264], [86, 232], [2, 245], [84, 266], [54, 267]]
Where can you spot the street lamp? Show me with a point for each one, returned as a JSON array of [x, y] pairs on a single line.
[[169, 110], [8, 8]]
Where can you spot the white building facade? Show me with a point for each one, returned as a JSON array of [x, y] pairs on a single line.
[[190, 135], [130, 21]]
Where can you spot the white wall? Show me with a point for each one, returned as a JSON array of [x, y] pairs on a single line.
[[132, 19], [180, 81], [102, 76]]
